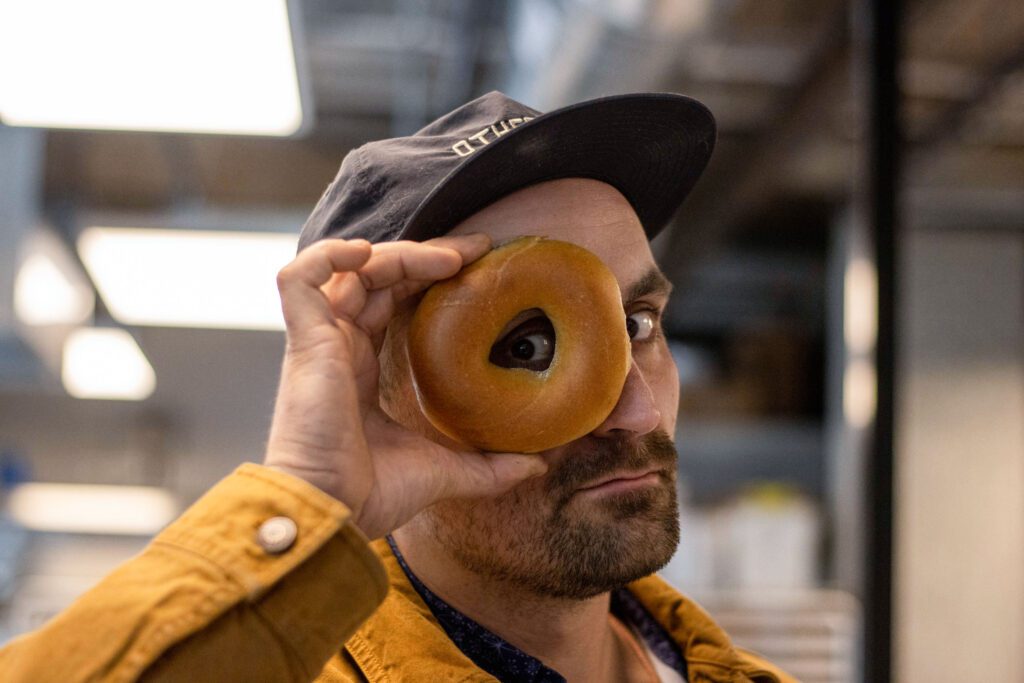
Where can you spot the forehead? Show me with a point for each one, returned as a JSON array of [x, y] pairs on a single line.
[[586, 212]]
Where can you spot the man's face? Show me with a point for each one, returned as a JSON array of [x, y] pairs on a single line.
[[550, 535]]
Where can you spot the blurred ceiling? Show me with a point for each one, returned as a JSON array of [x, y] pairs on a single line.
[[777, 74], [780, 75]]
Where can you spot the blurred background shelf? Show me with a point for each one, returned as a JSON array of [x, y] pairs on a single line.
[[718, 458], [812, 634]]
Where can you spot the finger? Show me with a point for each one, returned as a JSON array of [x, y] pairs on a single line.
[[315, 265], [382, 304], [437, 259], [299, 282], [470, 247], [369, 310], [347, 296], [396, 261], [377, 313], [379, 307], [510, 469]]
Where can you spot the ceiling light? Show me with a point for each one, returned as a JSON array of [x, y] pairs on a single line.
[[49, 289], [860, 393], [190, 65], [106, 363], [860, 305], [188, 278], [92, 509]]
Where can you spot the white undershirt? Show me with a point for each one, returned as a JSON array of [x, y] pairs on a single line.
[[666, 674]]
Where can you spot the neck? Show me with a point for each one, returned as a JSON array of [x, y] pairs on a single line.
[[573, 637]]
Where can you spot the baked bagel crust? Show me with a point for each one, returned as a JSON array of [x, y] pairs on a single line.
[[493, 408]]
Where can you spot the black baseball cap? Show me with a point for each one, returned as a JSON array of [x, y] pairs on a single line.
[[652, 147]]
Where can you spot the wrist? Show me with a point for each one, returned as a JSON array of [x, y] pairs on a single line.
[[324, 480]]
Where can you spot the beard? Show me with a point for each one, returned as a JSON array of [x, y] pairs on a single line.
[[543, 538]]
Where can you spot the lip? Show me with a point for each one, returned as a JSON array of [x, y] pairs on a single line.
[[623, 481]]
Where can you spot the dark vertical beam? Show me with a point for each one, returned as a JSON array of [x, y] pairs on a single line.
[[881, 24]]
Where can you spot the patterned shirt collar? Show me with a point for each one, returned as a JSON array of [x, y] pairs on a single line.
[[506, 662]]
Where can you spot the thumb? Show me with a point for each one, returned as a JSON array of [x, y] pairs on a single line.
[[512, 468], [487, 475]]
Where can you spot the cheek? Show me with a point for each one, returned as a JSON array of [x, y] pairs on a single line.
[[402, 406], [511, 520], [397, 396]]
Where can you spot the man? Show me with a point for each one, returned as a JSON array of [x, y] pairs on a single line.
[[485, 566]]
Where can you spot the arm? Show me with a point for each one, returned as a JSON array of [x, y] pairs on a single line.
[[205, 601]]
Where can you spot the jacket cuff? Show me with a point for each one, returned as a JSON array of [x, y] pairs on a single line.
[[222, 527]]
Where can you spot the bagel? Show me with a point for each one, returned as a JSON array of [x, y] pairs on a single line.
[[494, 310]]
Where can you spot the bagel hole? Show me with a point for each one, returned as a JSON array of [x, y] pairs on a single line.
[[527, 342]]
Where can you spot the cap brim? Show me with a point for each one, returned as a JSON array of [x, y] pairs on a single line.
[[651, 147]]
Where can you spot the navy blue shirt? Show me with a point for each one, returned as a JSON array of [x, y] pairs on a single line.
[[506, 662]]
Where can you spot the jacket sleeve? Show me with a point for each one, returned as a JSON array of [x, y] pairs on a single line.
[[205, 601]]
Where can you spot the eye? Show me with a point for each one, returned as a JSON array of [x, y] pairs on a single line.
[[642, 325], [529, 345]]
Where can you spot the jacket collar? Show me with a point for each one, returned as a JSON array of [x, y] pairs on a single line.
[[403, 635], [709, 653]]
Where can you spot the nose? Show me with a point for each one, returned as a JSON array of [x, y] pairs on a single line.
[[636, 412]]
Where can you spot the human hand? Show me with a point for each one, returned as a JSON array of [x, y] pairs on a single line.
[[338, 297]]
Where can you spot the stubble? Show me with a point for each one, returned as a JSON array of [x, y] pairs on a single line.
[[547, 539]]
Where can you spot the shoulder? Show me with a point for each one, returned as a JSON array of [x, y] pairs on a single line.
[[702, 641], [760, 669]]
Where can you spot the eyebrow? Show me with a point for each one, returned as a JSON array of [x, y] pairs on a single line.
[[652, 282]]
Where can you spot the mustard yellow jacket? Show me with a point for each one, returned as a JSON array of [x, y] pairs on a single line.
[[205, 602]]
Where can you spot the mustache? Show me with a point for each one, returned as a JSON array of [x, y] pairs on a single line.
[[601, 457]]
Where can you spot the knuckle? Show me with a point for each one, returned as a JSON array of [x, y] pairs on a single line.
[[317, 252], [366, 280], [285, 275]]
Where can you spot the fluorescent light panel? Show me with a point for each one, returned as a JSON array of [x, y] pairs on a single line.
[[46, 294], [106, 363], [188, 278], [201, 66], [92, 509]]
